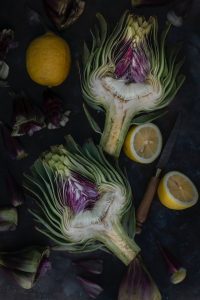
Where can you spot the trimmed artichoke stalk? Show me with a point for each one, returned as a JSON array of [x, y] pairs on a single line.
[[8, 219], [53, 108], [64, 13], [176, 271], [128, 73], [27, 265], [27, 118], [137, 284], [82, 199], [12, 144]]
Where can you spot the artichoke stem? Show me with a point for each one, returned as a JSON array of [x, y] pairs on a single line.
[[119, 243], [116, 127]]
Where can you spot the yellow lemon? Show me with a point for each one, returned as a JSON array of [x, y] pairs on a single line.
[[177, 191], [143, 143], [48, 60]]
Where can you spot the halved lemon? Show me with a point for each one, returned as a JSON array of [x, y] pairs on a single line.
[[143, 143], [177, 191]]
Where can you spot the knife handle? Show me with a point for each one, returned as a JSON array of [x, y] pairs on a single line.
[[144, 207]]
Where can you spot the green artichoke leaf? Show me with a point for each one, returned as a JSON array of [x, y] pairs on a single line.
[[146, 118], [91, 121]]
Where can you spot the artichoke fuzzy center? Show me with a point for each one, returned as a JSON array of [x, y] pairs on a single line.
[[89, 223], [138, 96]]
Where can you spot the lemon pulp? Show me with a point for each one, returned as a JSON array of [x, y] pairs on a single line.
[[143, 143], [177, 191]]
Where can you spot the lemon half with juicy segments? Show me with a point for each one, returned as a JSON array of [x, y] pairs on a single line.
[[143, 143], [176, 191]]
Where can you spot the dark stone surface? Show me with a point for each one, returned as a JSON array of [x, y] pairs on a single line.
[[177, 230]]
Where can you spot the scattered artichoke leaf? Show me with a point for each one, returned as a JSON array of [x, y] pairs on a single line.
[[64, 13], [4, 70], [148, 117], [91, 120]]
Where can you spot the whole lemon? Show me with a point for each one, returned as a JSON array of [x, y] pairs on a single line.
[[48, 60]]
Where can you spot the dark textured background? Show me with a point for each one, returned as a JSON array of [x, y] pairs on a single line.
[[178, 230]]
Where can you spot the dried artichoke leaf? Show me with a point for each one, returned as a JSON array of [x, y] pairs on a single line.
[[4, 70], [64, 13]]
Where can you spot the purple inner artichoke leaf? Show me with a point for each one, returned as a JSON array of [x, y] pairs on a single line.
[[78, 193], [133, 64]]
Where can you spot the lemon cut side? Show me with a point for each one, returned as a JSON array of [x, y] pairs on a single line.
[[143, 143], [176, 191]]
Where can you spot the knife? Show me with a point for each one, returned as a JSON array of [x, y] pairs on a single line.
[[144, 207]]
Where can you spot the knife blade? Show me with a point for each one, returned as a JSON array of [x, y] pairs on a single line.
[[167, 150], [145, 205]]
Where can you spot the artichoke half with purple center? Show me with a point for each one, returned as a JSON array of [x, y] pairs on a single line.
[[128, 73], [83, 201]]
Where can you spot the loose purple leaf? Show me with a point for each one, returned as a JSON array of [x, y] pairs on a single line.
[[6, 42], [27, 265], [27, 118], [15, 191], [138, 284], [54, 111], [93, 266], [45, 266], [92, 289], [12, 144], [63, 13], [8, 219]]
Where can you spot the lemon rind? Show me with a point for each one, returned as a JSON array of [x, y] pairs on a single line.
[[171, 196], [159, 147]]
